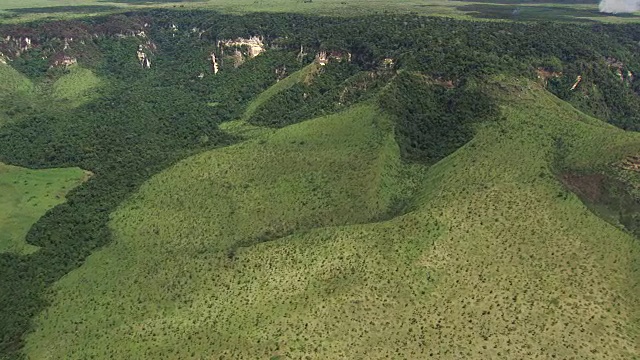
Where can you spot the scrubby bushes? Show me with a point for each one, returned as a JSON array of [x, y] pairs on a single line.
[[145, 120]]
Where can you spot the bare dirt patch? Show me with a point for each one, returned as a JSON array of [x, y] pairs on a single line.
[[631, 163], [588, 186]]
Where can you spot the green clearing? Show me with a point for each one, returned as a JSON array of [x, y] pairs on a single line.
[[76, 87], [285, 246], [25, 195], [13, 82], [16, 90]]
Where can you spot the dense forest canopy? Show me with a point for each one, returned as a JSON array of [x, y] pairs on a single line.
[[422, 71]]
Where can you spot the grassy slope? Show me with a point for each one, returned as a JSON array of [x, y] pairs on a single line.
[[75, 87], [13, 81], [13, 85], [496, 260], [25, 195]]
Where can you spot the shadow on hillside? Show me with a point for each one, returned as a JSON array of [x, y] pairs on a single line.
[[607, 197]]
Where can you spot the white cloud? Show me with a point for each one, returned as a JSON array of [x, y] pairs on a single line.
[[619, 6]]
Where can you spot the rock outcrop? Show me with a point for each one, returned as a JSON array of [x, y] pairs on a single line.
[[64, 61], [253, 46], [544, 75], [624, 75], [576, 83], [143, 59], [324, 57], [214, 63]]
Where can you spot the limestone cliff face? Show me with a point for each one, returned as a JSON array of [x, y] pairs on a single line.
[[324, 57], [241, 49], [62, 43], [576, 83], [214, 64], [544, 75], [143, 59], [17, 45], [253, 46], [238, 58], [619, 69], [63, 61]]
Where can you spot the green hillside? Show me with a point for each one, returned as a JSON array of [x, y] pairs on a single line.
[[25, 195], [13, 82], [15, 92], [494, 259], [76, 87]]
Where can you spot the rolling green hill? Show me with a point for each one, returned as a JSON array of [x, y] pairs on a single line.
[[76, 87], [13, 82], [25, 195], [15, 92], [284, 247], [280, 86]]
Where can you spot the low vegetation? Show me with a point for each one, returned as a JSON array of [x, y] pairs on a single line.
[[76, 87], [493, 257], [403, 200], [25, 195]]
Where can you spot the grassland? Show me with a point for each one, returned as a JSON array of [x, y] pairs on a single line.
[[499, 9], [13, 82], [76, 87], [315, 241], [14, 89], [25, 195]]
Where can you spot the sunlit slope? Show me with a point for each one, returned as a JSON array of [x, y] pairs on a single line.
[[13, 81], [495, 260], [76, 87], [25, 195], [335, 170], [15, 92]]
